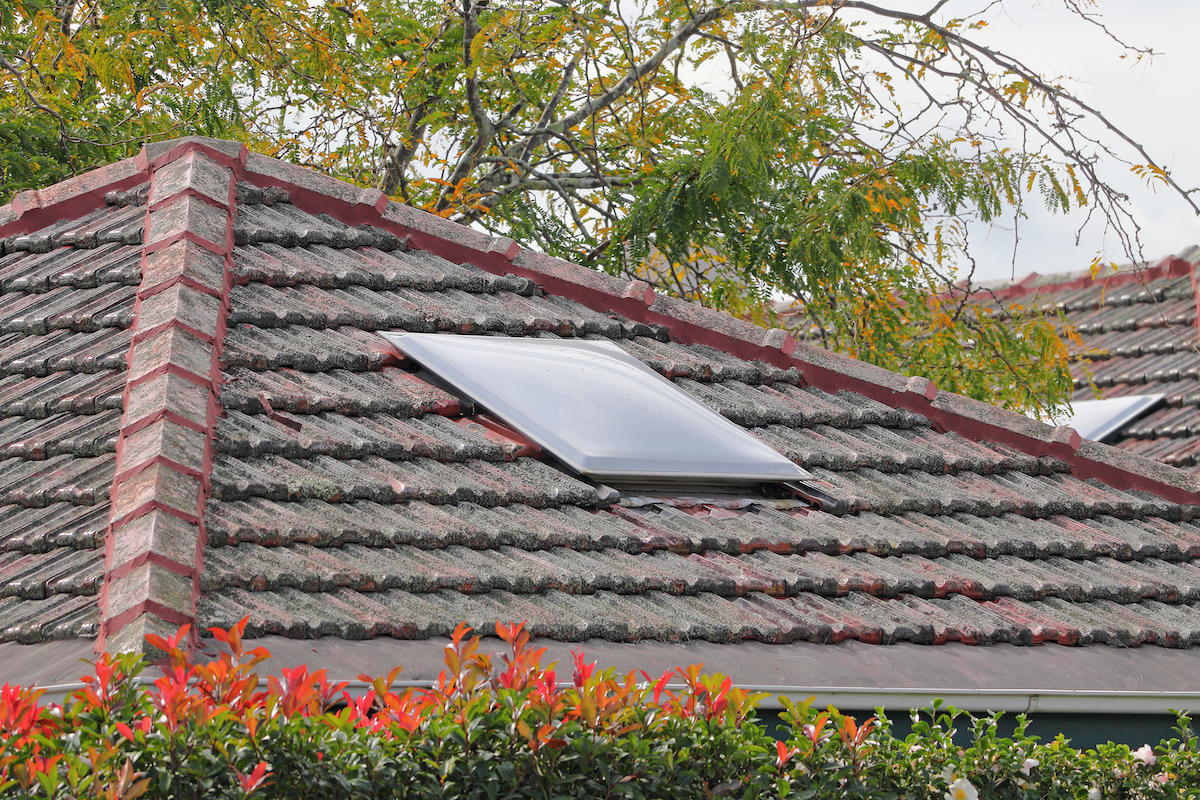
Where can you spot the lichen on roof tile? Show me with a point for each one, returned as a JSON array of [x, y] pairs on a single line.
[[348, 500]]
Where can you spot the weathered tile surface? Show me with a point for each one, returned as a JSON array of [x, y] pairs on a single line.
[[343, 494], [1139, 335], [348, 499], [66, 304]]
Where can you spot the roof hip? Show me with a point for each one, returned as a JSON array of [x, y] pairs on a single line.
[[155, 537]]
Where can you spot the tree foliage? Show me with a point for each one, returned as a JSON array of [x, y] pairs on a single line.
[[829, 152]]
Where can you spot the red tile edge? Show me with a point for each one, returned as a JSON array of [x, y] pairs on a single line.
[[1169, 267], [217, 248], [195, 195], [158, 416], [75, 197], [160, 461], [142, 335], [121, 570], [233, 159], [146, 508], [179, 372], [159, 610], [190, 283]]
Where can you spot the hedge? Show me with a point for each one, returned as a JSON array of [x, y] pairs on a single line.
[[507, 727]]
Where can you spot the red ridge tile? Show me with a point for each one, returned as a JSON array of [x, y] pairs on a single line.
[[164, 454], [73, 198], [194, 175], [183, 261], [192, 219]]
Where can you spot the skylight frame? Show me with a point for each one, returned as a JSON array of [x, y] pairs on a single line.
[[665, 421]]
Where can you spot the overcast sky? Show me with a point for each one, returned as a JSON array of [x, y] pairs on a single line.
[[1153, 102]]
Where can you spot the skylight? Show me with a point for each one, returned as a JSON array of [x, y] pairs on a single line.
[[597, 409], [1098, 419]]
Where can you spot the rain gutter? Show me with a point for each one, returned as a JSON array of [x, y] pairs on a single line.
[[1021, 701], [976, 701]]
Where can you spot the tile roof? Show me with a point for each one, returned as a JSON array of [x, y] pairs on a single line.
[[1139, 335], [199, 423]]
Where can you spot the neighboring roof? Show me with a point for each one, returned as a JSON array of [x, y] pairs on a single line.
[[200, 423], [1139, 336]]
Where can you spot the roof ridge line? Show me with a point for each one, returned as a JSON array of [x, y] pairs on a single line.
[[694, 324], [154, 542], [1168, 267], [87, 192]]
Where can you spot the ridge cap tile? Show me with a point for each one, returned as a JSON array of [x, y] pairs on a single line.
[[77, 195], [165, 445]]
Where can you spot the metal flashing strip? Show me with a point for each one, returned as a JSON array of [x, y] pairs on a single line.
[[597, 409]]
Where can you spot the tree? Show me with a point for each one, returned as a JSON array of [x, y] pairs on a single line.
[[733, 153]]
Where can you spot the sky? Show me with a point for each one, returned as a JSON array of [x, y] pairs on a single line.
[[1153, 102]]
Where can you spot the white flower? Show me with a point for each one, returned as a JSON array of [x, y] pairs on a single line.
[[1029, 764], [948, 775], [962, 789], [1094, 793], [1145, 754]]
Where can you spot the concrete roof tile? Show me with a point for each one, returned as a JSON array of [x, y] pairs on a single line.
[[385, 392], [99, 228], [68, 308], [308, 435], [61, 434], [300, 348], [39, 529], [34, 576], [275, 265], [59, 616], [63, 351], [65, 479], [60, 393]]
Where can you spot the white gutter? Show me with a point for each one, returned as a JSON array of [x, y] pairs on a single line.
[[976, 701], [980, 701]]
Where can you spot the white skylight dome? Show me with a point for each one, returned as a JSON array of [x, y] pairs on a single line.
[[1099, 419], [597, 409]]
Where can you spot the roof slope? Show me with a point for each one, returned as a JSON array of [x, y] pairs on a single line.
[[1138, 329], [200, 424]]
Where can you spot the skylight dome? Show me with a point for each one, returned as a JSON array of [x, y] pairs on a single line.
[[1099, 419], [597, 409]]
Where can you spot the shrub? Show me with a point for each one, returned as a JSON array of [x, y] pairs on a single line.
[[503, 729]]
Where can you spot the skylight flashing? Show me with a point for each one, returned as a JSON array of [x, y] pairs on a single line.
[[601, 412]]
